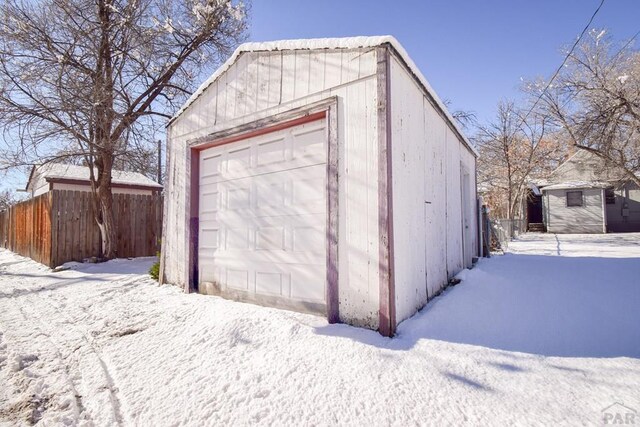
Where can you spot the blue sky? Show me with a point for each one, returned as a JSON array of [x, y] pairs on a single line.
[[473, 52]]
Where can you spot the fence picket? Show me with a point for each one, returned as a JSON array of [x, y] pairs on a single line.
[[58, 226]]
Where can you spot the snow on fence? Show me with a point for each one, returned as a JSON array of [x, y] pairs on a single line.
[[58, 226]]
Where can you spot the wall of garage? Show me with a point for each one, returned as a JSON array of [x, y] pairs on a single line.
[[259, 85], [429, 204]]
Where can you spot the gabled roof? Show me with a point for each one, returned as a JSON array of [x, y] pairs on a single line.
[[585, 169], [52, 172], [328, 43]]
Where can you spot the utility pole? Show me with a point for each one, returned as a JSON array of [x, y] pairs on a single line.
[[159, 161]]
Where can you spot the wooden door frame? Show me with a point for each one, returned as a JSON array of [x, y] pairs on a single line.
[[465, 207], [325, 109]]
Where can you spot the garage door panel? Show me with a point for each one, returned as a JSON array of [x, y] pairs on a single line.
[[271, 152], [271, 195], [209, 238], [237, 238], [282, 260], [258, 170], [270, 238], [210, 201], [238, 279], [307, 284], [209, 272], [238, 198], [263, 215], [238, 162], [308, 239], [210, 167], [310, 145], [270, 283], [265, 154]]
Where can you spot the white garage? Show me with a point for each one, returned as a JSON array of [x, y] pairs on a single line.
[[323, 176]]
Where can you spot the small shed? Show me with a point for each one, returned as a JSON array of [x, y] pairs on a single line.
[[319, 175], [59, 176]]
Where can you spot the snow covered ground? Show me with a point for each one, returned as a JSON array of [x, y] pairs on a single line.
[[546, 334]]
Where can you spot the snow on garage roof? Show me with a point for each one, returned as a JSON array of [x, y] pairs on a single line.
[[327, 43], [65, 171]]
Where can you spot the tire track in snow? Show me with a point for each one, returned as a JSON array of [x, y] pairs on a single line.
[[61, 359], [120, 285], [91, 346]]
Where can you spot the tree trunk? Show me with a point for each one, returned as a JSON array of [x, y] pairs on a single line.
[[107, 225], [103, 205]]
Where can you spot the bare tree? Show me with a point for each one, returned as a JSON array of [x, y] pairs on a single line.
[[595, 101], [514, 149], [91, 77], [7, 199], [464, 118]]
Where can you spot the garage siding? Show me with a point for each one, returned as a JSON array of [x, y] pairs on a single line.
[[261, 84], [428, 160]]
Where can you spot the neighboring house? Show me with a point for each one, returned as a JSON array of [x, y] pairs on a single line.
[[319, 175], [584, 196], [58, 176]]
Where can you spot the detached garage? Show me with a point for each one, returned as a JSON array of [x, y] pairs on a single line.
[[322, 176]]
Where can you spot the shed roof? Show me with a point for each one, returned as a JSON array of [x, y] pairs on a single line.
[[327, 43], [52, 171], [576, 185]]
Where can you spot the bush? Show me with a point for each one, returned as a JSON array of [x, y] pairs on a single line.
[[154, 271]]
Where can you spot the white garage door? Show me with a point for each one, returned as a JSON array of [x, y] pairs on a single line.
[[263, 216]]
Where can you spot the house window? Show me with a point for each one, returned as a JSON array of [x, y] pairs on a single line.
[[574, 198], [610, 196]]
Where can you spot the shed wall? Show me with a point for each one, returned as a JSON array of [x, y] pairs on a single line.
[[576, 219], [114, 190], [79, 187], [428, 204], [259, 85]]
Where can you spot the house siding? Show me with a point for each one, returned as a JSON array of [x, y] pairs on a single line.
[[628, 196], [575, 219]]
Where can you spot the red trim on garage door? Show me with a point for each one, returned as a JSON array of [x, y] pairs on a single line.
[[261, 131]]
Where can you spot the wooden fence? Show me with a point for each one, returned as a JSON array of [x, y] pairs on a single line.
[[58, 227]]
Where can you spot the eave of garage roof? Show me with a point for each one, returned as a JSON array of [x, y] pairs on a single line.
[[328, 43]]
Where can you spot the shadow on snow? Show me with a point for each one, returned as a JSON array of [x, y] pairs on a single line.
[[538, 304]]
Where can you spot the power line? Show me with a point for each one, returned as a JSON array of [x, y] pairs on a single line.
[[564, 61], [626, 44]]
